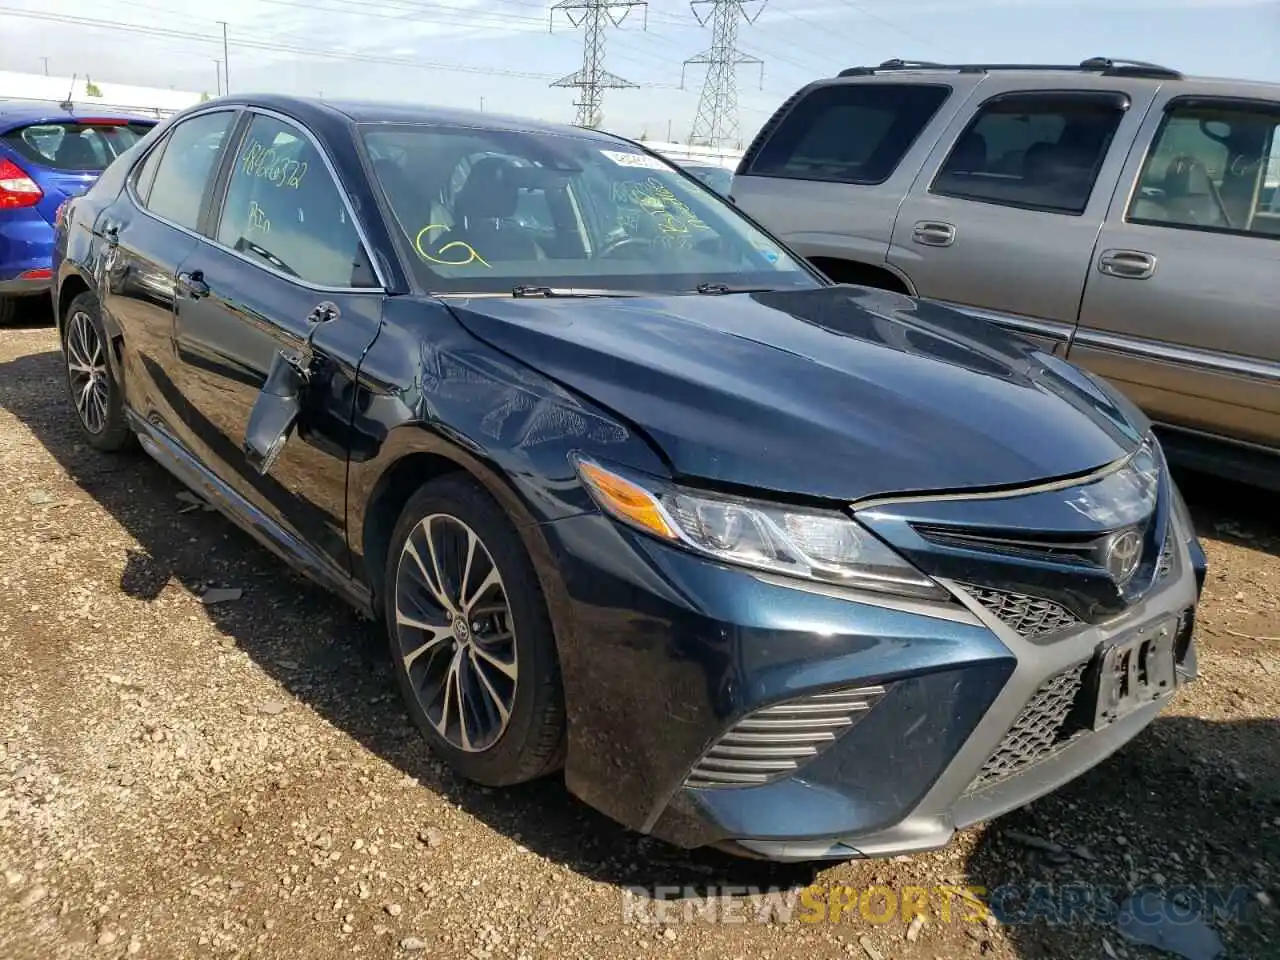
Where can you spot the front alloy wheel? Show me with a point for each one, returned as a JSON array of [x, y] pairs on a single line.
[[455, 632], [471, 642]]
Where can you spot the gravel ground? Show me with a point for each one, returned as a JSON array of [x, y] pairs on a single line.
[[237, 779]]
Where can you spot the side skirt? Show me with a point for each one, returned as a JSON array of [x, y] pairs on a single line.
[[175, 458]]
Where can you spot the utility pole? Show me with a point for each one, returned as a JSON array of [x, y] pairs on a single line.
[[716, 122], [226, 60], [46, 65], [593, 79], [218, 66]]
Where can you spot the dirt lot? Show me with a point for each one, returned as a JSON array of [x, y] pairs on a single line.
[[238, 780]]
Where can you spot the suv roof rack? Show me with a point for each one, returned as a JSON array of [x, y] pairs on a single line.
[[1104, 66]]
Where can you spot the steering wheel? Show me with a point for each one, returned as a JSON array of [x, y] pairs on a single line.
[[622, 243]]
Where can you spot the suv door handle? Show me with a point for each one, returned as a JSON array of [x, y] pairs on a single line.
[[1127, 264], [934, 233], [192, 285]]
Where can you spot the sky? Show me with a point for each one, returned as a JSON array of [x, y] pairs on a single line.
[[499, 55]]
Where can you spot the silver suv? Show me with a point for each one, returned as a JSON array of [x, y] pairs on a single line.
[[1121, 213]]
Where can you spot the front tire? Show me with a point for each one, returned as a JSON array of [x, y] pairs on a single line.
[[96, 397], [471, 642]]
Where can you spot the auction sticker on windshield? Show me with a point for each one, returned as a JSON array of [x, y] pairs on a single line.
[[635, 160]]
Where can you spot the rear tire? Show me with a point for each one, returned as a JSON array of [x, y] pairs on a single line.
[[97, 399], [471, 641]]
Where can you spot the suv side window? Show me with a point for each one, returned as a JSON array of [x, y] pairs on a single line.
[[1213, 166], [1037, 151], [849, 132], [284, 211], [183, 172]]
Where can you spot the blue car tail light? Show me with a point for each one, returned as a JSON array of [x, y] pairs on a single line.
[[16, 188]]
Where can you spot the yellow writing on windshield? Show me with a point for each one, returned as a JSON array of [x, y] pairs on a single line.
[[258, 222], [264, 162], [459, 253], [670, 213]]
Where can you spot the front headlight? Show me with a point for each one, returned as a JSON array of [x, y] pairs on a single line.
[[813, 544]]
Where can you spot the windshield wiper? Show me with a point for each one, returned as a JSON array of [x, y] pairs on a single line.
[[528, 290], [711, 289]]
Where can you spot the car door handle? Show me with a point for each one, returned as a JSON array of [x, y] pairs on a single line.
[[192, 285], [1127, 264], [934, 233]]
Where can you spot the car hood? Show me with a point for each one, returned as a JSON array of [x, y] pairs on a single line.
[[836, 392]]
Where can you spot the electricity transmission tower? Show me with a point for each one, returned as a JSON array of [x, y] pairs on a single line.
[[716, 122], [593, 79]]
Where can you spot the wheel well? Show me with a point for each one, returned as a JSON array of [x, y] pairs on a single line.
[[392, 492], [863, 274], [72, 287]]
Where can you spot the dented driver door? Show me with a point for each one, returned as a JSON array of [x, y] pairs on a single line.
[[283, 269]]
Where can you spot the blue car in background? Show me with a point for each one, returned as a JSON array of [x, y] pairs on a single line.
[[47, 154]]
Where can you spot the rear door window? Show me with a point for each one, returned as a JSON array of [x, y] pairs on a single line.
[[184, 169], [1039, 151], [850, 133], [75, 146]]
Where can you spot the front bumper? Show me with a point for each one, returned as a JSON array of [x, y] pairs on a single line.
[[663, 653]]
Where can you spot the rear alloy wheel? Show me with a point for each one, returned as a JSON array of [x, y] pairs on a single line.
[[91, 384], [471, 642]]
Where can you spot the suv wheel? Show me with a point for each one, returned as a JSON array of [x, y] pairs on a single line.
[[471, 642]]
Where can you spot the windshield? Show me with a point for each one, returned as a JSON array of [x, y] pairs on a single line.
[[717, 178], [488, 210]]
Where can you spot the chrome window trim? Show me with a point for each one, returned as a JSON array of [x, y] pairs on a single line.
[[380, 290], [1186, 356]]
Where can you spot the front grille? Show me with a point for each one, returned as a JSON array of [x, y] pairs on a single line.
[[1040, 730], [775, 741], [1029, 617]]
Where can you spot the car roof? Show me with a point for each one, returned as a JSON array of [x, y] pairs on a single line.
[[373, 111], [21, 113], [1102, 70]]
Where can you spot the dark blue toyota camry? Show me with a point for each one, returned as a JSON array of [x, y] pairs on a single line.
[[796, 569]]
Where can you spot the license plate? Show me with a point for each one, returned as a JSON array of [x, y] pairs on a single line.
[[1134, 670]]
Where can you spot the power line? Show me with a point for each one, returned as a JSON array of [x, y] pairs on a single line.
[[592, 79], [305, 51], [717, 118]]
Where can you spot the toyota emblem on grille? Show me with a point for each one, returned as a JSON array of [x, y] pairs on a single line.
[[1121, 553]]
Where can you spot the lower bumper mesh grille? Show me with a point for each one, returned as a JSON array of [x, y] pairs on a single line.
[[1027, 616], [1040, 730], [775, 741]]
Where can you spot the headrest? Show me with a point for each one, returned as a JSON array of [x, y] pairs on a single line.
[[492, 190]]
